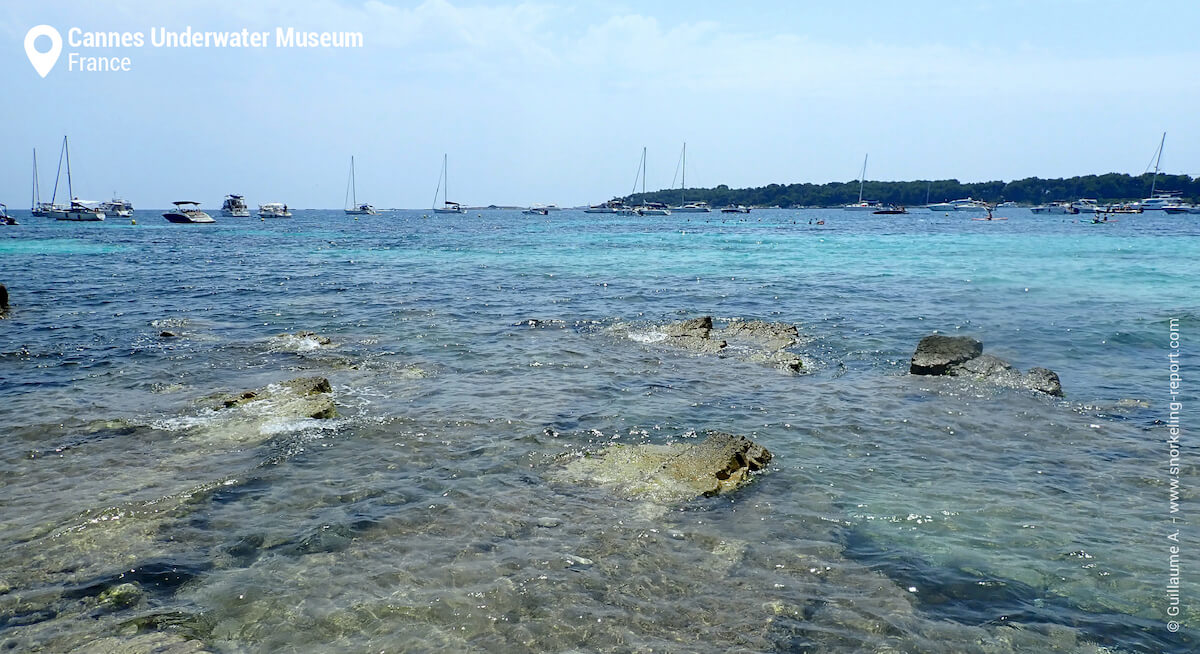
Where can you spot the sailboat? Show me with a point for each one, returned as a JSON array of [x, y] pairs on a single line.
[[1159, 199], [443, 187], [355, 208], [77, 210], [645, 208], [38, 208], [862, 205], [691, 207]]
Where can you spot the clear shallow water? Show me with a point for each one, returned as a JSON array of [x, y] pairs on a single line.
[[899, 513]]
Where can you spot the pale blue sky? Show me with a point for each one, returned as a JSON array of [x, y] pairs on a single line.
[[553, 101]]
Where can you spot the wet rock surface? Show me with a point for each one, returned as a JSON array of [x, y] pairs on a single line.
[[756, 341], [678, 471], [309, 397], [962, 356]]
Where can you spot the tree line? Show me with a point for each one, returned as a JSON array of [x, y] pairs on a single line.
[[1112, 187]]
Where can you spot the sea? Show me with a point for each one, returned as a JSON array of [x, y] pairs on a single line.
[[471, 357]]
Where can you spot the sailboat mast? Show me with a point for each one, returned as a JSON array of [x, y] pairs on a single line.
[[1154, 182], [70, 189], [58, 173], [446, 174], [862, 177], [35, 194], [683, 177], [643, 173]]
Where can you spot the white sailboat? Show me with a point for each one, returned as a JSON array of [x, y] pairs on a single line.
[[38, 208], [354, 208], [443, 187], [1159, 199], [645, 208], [862, 205], [687, 207], [77, 210]]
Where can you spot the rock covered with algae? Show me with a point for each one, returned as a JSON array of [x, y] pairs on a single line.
[[674, 472]]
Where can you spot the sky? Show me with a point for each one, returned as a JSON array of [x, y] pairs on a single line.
[[552, 102]]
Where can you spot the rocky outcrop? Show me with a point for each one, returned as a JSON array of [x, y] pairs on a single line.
[[305, 396], [676, 472], [751, 340], [962, 356], [937, 354]]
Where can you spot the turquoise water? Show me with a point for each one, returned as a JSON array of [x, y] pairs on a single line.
[[899, 513]]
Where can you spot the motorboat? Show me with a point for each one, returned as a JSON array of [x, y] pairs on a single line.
[[653, 209], [117, 207], [6, 219], [1121, 208], [738, 209], [1085, 205], [187, 211], [274, 210], [1180, 207], [612, 206], [1055, 208], [693, 207], [965, 204], [1160, 200], [235, 207], [891, 211], [537, 211]]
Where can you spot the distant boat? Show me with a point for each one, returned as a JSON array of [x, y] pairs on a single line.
[[688, 207], [235, 207], [738, 209], [966, 204], [1085, 205], [78, 210], [863, 205], [645, 208], [1180, 208], [187, 211], [443, 186], [354, 208], [1159, 199], [38, 208], [274, 210], [1055, 208], [6, 219], [891, 211], [612, 206], [117, 207], [537, 211]]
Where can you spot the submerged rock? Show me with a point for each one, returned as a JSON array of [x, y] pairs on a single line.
[[304, 396], [301, 341], [751, 340], [121, 596], [936, 354], [676, 472], [962, 356]]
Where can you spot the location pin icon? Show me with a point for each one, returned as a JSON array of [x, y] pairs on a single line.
[[43, 62]]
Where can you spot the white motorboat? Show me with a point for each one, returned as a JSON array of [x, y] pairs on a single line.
[[443, 187], [653, 209], [117, 207], [1055, 208], [235, 207], [965, 204], [274, 210], [187, 211], [6, 219], [537, 211], [1180, 207], [353, 206], [738, 209], [77, 210], [1085, 205], [612, 206], [693, 207]]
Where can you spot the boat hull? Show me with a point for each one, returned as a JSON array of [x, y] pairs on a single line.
[[235, 213], [78, 216], [193, 219]]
